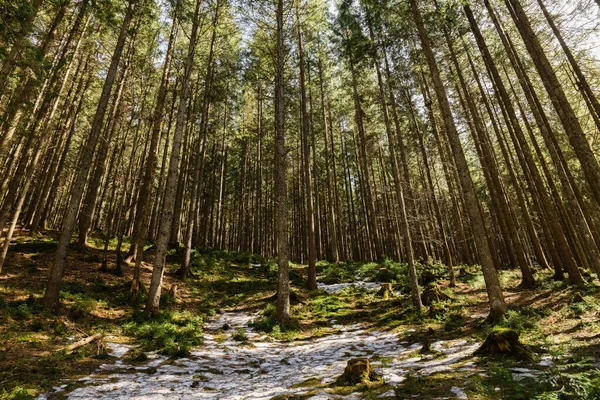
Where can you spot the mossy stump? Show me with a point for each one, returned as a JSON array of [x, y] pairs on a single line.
[[385, 275], [386, 291], [173, 292], [577, 298], [505, 342], [432, 293], [358, 370]]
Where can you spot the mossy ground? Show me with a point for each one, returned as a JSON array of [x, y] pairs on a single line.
[[94, 301]]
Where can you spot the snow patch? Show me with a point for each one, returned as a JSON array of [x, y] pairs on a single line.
[[262, 368]]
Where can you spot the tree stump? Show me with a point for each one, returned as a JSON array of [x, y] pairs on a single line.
[[358, 370], [505, 342], [173, 292], [384, 275], [432, 293], [426, 349], [386, 291]]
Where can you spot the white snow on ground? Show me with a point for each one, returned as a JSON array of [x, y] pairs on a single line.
[[337, 287], [263, 368]]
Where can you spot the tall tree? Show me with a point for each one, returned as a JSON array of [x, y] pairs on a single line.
[[494, 290], [164, 230], [51, 296], [281, 219]]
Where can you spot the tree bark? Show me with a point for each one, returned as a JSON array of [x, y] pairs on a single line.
[[281, 224], [566, 114], [310, 214], [51, 296], [164, 230], [494, 290]]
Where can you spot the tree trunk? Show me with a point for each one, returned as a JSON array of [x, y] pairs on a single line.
[[51, 297], [164, 230], [414, 284], [571, 125], [283, 286], [310, 215], [143, 204], [496, 299]]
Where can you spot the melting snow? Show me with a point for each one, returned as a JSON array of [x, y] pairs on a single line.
[[263, 368], [338, 287]]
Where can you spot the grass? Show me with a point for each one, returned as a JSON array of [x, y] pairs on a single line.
[[171, 333]]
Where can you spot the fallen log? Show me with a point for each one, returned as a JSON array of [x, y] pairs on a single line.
[[83, 342]]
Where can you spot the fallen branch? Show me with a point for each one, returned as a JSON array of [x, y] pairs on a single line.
[[83, 342]]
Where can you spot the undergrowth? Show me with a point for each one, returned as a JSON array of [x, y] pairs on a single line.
[[170, 332]]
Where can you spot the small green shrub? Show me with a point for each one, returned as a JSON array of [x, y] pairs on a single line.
[[266, 321], [17, 393], [138, 356], [170, 333], [454, 320], [240, 335], [581, 308], [20, 312], [288, 334], [571, 386], [519, 322]]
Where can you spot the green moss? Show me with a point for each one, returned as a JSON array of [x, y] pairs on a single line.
[[308, 383], [18, 393], [240, 335], [170, 333]]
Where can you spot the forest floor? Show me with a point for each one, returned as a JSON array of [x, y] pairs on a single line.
[[216, 337]]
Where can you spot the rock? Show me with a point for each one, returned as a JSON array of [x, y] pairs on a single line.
[[386, 291], [459, 393], [358, 370], [505, 342]]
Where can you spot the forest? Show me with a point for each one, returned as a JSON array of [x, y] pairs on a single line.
[[327, 199]]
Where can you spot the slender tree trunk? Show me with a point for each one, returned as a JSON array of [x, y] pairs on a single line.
[[488, 161], [198, 169], [90, 200], [143, 204], [310, 214], [566, 114], [283, 286], [333, 215], [494, 290], [164, 230], [535, 180], [414, 284], [51, 297]]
